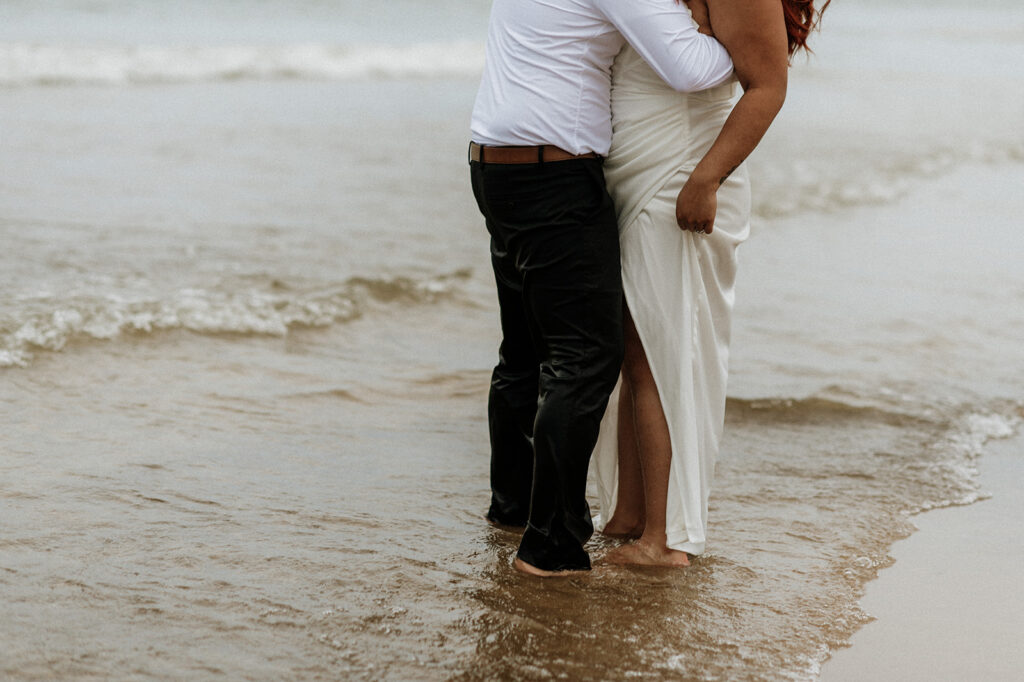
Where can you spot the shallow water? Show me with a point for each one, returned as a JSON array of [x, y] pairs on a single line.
[[248, 327], [265, 508]]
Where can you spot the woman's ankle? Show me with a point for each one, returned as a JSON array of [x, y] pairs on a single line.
[[654, 538], [625, 524]]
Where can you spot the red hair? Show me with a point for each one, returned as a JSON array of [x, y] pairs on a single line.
[[801, 19]]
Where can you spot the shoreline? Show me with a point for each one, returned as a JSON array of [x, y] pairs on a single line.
[[945, 613]]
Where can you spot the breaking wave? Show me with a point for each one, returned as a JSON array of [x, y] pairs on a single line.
[[27, 64], [50, 324]]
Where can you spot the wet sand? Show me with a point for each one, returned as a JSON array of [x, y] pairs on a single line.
[[952, 606]]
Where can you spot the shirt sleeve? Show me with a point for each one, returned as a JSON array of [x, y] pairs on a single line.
[[663, 33]]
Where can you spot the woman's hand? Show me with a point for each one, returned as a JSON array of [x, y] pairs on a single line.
[[697, 204]]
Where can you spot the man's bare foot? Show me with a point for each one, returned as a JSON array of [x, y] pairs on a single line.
[[619, 528], [530, 569], [643, 553]]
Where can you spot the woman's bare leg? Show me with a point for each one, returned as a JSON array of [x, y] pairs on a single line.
[[627, 521], [655, 455]]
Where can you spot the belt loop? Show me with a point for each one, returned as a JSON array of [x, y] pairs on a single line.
[[540, 153]]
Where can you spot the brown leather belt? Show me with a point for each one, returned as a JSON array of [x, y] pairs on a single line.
[[543, 154]]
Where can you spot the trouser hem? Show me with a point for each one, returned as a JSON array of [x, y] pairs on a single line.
[[539, 551]]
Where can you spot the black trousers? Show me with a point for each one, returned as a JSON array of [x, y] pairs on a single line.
[[555, 253]]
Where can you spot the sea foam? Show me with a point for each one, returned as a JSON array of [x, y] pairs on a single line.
[[50, 324], [27, 64]]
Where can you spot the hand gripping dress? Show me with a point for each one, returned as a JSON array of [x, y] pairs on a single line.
[[678, 285]]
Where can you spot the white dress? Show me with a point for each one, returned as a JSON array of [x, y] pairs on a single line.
[[678, 285]]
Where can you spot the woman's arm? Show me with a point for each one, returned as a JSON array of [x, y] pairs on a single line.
[[754, 32]]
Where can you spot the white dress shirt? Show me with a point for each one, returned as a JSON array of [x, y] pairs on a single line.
[[547, 75]]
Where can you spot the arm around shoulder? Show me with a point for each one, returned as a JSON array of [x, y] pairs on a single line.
[[665, 36]]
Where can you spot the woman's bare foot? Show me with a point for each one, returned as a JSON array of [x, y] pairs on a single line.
[[530, 569], [645, 553], [617, 527]]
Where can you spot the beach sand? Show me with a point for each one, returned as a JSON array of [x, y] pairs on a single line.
[[952, 606]]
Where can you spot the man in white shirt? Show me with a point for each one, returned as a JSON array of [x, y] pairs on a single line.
[[541, 126]]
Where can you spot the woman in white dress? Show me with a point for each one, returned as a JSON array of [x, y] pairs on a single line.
[[675, 171]]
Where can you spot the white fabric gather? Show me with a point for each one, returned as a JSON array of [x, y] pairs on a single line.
[[678, 285]]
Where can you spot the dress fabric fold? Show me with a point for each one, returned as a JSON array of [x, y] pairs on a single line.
[[679, 286]]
